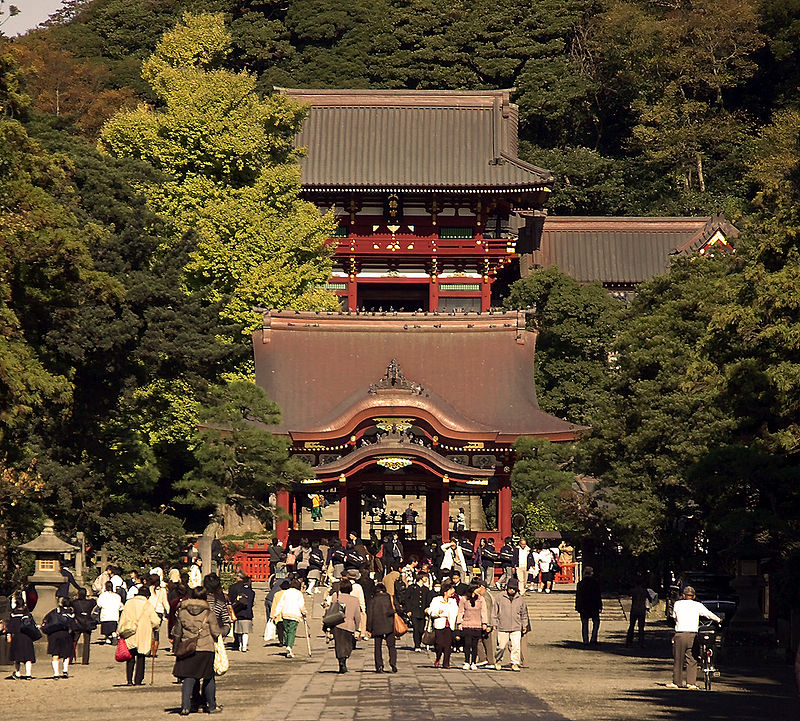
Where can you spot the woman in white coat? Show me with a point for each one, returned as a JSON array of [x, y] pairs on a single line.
[[443, 612]]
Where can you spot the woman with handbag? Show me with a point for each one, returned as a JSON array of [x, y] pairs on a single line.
[[195, 632], [22, 632], [473, 619], [58, 625], [443, 612], [380, 625], [344, 632], [136, 625]]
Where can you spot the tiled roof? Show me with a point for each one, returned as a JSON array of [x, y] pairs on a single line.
[[622, 250], [471, 373], [404, 140]]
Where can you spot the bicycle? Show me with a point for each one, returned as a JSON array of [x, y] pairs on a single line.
[[708, 639]]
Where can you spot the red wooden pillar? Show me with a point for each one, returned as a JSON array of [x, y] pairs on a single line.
[[294, 511], [504, 507], [486, 295], [352, 295], [445, 509], [433, 294], [282, 525], [343, 509]]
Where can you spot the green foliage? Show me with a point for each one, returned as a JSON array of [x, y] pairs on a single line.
[[239, 463], [577, 326], [232, 175], [142, 540]]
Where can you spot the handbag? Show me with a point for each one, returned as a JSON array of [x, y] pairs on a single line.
[[400, 626], [428, 636], [271, 632], [187, 646], [221, 664], [123, 652], [334, 615], [96, 614]]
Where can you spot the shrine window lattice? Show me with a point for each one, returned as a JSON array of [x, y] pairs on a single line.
[[453, 233]]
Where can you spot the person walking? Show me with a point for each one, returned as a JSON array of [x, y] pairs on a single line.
[[487, 644], [196, 622], [291, 609], [487, 561], [506, 558], [110, 605], [443, 611], [473, 619], [218, 601], [137, 622], [392, 553], [84, 624], [59, 624], [242, 598], [380, 625], [639, 602], [687, 613], [418, 598], [589, 604], [523, 561], [20, 633], [510, 618], [547, 573], [316, 567], [344, 640]]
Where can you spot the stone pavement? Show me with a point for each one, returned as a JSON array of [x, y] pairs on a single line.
[[418, 691]]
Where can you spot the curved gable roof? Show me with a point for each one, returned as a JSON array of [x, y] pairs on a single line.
[[472, 372]]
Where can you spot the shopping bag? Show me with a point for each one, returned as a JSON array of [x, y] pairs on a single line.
[[122, 653], [271, 632], [220, 657]]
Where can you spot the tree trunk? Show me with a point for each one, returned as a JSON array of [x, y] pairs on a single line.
[[701, 181]]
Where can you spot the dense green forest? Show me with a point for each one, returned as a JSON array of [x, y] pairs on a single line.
[[128, 265]]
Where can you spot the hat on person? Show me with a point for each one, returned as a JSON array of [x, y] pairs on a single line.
[[513, 583], [353, 574]]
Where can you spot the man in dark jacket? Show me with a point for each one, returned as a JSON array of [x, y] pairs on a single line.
[[488, 558], [392, 554], [277, 557], [417, 598], [506, 558], [380, 625], [639, 602], [469, 553], [589, 604]]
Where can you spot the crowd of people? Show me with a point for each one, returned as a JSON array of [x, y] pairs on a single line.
[[455, 596], [131, 613]]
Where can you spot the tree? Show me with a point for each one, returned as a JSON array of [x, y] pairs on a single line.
[[239, 463], [541, 479], [232, 175], [663, 414], [144, 539], [577, 326]]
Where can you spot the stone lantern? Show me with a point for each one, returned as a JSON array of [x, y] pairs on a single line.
[[49, 551]]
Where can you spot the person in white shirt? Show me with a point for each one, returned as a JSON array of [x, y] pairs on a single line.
[[291, 609], [523, 561], [196, 574], [453, 558], [110, 605], [443, 612], [687, 613]]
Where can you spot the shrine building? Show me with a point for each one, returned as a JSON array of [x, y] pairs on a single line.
[[428, 192], [422, 405]]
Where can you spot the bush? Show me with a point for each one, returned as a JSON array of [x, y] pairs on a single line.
[[142, 540]]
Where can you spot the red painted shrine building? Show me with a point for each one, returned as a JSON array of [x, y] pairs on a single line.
[[412, 404], [428, 191], [416, 389]]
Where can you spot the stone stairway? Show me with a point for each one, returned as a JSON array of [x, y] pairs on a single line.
[[560, 605]]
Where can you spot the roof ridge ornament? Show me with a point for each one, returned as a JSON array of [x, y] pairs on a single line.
[[395, 380]]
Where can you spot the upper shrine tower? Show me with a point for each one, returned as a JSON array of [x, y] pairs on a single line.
[[428, 191]]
